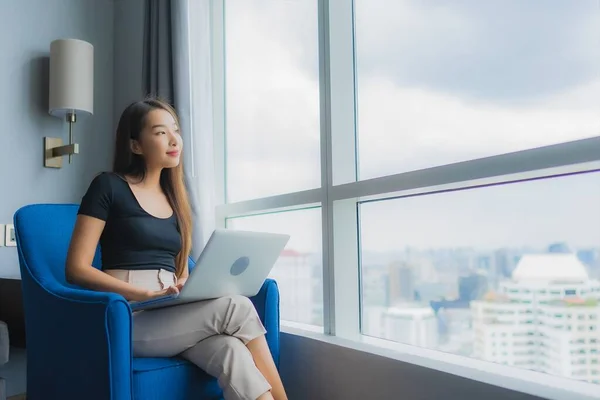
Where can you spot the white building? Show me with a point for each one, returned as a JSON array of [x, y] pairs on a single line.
[[546, 318], [293, 274], [372, 322], [411, 324], [458, 337]]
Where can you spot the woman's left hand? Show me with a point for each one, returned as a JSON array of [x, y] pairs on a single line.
[[180, 283]]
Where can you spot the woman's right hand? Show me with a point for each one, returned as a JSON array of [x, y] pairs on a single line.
[[152, 294]]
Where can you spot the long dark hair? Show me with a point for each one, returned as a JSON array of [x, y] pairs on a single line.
[[131, 124]]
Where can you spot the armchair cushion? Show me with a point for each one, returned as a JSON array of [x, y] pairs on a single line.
[[172, 378]]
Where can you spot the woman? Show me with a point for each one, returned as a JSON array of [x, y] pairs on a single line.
[[140, 213]]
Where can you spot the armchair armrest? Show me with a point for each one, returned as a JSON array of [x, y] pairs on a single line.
[[79, 343], [266, 303]]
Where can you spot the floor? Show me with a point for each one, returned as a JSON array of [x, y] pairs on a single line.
[[15, 372]]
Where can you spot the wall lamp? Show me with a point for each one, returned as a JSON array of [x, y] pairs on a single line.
[[71, 93]]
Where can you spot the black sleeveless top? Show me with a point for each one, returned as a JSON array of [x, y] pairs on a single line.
[[132, 238]]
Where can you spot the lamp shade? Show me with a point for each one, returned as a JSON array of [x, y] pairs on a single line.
[[71, 77]]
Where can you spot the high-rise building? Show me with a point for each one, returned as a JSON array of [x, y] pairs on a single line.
[[546, 318], [401, 281], [374, 285], [505, 261], [471, 287], [591, 259], [455, 330], [412, 324], [294, 276]]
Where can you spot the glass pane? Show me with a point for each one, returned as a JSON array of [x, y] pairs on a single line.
[[507, 274], [272, 97], [299, 270], [442, 82]]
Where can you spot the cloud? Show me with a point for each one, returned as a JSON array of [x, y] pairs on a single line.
[[487, 50], [403, 129], [251, 177], [273, 126]]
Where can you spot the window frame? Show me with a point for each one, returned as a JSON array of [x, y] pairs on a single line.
[[341, 193]]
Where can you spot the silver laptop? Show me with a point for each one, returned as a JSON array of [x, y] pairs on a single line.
[[233, 262]]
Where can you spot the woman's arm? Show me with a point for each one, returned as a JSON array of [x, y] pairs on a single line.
[[181, 280], [79, 269]]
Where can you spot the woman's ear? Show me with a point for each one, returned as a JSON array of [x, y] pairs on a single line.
[[135, 147]]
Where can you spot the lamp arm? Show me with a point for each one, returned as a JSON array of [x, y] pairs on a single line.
[[71, 119], [54, 149]]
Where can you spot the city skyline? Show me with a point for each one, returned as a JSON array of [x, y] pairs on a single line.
[[430, 299]]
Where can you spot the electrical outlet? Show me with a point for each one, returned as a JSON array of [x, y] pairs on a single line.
[[1, 235], [9, 235]]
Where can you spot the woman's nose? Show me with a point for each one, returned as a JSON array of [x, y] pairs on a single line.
[[172, 139]]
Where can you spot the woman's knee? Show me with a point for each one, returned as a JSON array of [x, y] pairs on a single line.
[[241, 318], [235, 304], [232, 351], [218, 354], [233, 345], [243, 302]]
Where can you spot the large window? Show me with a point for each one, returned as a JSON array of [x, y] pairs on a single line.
[[450, 270], [436, 163]]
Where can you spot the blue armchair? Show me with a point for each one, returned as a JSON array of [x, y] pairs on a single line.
[[79, 341]]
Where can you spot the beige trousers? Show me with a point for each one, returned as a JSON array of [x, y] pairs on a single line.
[[211, 334]]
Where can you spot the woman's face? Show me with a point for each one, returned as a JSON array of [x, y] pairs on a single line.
[[160, 142]]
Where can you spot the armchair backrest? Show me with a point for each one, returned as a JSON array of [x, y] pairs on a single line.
[[43, 233]]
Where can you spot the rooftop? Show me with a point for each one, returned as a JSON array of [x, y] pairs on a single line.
[[409, 309], [575, 302], [553, 267], [290, 253]]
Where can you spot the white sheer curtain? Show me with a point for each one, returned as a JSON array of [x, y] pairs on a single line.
[[193, 99]]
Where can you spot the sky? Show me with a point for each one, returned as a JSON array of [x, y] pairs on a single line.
[[437, 82]]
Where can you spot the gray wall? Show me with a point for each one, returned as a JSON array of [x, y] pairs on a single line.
[[314, 370], [28, 27], [129, 38]]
